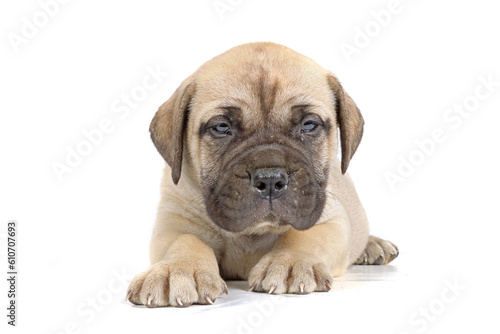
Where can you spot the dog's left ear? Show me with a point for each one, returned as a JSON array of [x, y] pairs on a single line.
[[168, 125], [349, 121]]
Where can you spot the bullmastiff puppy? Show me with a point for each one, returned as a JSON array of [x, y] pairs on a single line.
[[253, 189]]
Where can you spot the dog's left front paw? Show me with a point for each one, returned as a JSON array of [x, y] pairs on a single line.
[[284, 272], [378, 251]]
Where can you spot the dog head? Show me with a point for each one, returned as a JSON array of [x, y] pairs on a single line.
[[257, 127]]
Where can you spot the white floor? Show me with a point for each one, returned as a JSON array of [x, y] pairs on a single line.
[[373, 299], [249, 312], [406, 297], [367, 299]]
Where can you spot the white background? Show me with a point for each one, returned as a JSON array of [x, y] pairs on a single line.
[[77, 233]]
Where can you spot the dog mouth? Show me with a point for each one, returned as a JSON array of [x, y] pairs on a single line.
[[298, 208], [255, 191]]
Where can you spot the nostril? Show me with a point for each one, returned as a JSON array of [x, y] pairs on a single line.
[[279, 185], [261, 186]]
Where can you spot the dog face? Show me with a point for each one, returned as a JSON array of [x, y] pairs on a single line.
[[256, 128]]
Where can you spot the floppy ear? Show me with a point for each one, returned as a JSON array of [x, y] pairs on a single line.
[[349, 120], [167, 127]]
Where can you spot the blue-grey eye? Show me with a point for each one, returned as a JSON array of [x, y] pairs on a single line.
[[309, 126], [222, 128]]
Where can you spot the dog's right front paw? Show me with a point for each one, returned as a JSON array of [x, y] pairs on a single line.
[[176, 284]]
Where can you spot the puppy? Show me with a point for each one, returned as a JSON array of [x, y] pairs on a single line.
[[253, 189]]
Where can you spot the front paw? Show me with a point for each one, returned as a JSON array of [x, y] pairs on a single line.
[[378, 251], [284, 272], [176, 284]]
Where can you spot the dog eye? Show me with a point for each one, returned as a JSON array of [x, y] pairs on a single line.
[[222, 129], [309, 126]]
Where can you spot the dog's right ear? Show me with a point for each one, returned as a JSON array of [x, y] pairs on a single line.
[[168, 125]]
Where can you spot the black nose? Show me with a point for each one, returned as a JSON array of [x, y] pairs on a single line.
[[270, 183]]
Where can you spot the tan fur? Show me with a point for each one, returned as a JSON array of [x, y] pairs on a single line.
[[190, 254]]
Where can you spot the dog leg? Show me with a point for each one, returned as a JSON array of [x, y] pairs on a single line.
[[303, 261], [378, 251], [187, 274]]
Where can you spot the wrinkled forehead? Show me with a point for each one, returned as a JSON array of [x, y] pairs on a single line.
[[265, 92]]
